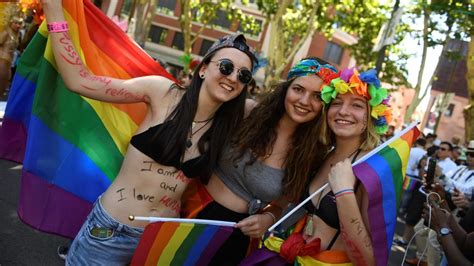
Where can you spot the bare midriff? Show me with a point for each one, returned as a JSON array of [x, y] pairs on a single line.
[[144, 188], [225, 197]]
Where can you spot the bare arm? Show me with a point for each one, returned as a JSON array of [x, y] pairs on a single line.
[[80, 80], [353, 224], [452, 251]]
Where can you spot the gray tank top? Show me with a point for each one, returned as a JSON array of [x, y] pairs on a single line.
[[257, 183]]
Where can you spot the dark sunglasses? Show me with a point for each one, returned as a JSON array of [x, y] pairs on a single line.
[[226, 67], [443, 149]]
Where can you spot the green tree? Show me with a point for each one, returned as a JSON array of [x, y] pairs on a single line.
[[448, 19], [143, 12], [364, 19], [205, 12], [293, 22]]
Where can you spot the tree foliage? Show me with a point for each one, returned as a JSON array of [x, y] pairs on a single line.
[[291, 23], [448, 19], [294, 21], [364, 19], [205, 12]]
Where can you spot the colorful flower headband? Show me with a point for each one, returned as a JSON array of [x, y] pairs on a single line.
[[311, 66], [365, 84]]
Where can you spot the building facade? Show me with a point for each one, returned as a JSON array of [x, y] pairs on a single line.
[[449, 94], [165, 40]]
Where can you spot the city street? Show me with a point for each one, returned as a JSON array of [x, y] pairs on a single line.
[[23, 245], [19, 243]]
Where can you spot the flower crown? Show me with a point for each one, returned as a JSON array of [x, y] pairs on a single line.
[[310, 66], [365, 84]]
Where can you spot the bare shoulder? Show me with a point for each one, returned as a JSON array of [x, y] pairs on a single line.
[[249, 105], [157, 87]]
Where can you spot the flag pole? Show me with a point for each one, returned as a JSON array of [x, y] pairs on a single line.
[[152, 219], [363, 158]]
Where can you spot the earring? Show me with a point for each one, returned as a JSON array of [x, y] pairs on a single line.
[[201, 76]]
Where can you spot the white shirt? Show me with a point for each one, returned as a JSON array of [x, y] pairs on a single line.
[[462, 178], [447, 165], [415, 155]]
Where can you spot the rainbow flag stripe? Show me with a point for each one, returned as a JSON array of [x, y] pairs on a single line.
[[71, 146], [172, 243], [382, 175], [409, 183]]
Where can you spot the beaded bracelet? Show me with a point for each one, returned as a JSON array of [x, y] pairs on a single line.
[[344, 192], [59, 26]]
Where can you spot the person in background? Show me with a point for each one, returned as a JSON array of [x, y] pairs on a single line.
[[456, 244], [9, 41]]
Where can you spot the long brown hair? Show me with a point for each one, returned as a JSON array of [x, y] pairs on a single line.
[[258, 134]]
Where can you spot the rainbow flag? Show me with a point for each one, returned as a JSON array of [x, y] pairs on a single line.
[[71, 147], [409, 183], [382, 175], [173, 243]]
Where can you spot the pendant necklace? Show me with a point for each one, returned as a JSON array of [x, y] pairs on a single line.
[[189, 142]]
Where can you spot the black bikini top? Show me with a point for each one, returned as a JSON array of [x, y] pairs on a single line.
[[143, 142], [327, 210]]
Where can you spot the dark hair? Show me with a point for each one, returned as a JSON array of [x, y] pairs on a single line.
[[421, 142], [447, 143], [431, 150], [227, 117], [258, 134]]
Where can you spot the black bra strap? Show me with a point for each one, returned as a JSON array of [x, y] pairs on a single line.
[[334, 238], [355, 156]]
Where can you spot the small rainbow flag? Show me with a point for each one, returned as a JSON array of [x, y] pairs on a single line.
[[71, 146], [174, 243], [382, 175], [409, 183]]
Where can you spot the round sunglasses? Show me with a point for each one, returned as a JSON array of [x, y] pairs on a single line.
[[226, 67]]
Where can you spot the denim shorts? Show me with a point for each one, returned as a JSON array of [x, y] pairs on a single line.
[[103, 241]]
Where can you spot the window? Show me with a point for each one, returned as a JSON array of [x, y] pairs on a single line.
[[165, 6], [178, 41], [157, 34], [127, 6], [206, 44], [98, 3], [333, 52], [449, 111], [221, 20]]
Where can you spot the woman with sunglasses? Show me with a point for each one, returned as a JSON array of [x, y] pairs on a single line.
[[180, 138], [268, 159], [357, 114]]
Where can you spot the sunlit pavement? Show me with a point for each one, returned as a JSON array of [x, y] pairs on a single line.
[[19, 243]]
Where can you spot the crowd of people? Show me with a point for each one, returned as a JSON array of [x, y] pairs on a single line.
[[454, 183], [254, 155]]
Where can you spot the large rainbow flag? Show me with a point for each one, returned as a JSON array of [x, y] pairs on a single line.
[[174, 243], [71, 146], [382, 175]]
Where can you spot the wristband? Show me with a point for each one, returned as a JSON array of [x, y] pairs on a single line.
[[60, 26], [343, 192], [271, 215]]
